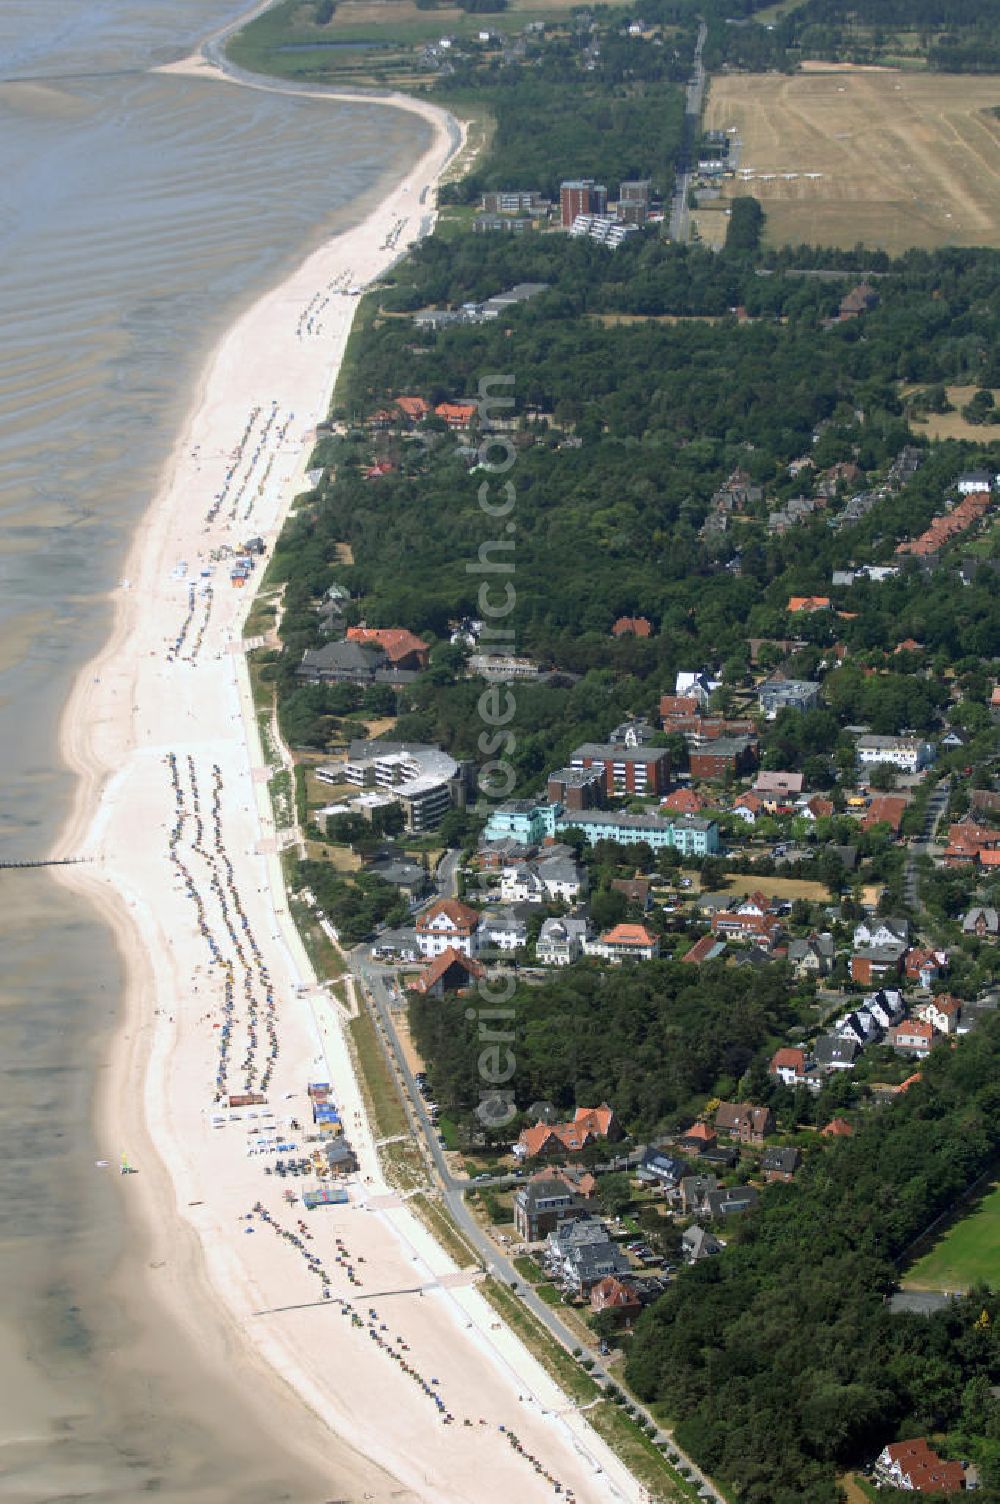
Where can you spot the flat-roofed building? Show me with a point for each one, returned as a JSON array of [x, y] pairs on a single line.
[[513, 201], [581, 196], [501, 224], [638, 190], [577, 788], [423, 780], [691, 836], [775, 695], [627, 770]]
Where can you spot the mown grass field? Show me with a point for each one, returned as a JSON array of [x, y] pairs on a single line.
[[967, 1254], [903, 159], [778, 887]]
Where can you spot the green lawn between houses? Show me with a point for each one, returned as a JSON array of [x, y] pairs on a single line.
[[967, 1254]]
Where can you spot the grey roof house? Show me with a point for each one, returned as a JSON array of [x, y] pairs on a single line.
[[729, 1201], [697, 1244], [834, 1052], [583, 1253]]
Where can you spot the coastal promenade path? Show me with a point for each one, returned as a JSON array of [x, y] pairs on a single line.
[[375, 980]]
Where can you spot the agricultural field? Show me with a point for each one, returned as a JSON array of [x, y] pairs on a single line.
[[967, 1254], [841, 154]]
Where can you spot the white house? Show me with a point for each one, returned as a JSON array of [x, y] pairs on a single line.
[[698, 686], [914, 1036], [547, 880], [522, 884], [625, 942], [561, 941], [756, 905], [789, 1065], [503, 929], [907, 753], [448, 924], [944, 1014], [881, 934], [975, 480], [885, 1006], [565, 881], [859, 1025]]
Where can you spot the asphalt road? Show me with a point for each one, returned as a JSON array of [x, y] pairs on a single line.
[[446, 876], [378, 986], [679, 224], [937, 804]]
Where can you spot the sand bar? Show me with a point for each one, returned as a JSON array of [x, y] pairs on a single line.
[[348, 1325]]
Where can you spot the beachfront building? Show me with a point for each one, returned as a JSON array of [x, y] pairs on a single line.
[[448, 925], [582, 1253], [402, 648], [424, 781], [561, 941], [514, 201], [345, 663], [451, 971], [501, 224], [541, 1204], [625, 942], [589, 1125]]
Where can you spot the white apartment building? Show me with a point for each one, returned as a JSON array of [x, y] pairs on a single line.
[[907, 753]]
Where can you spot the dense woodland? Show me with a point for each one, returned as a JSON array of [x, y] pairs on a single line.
[[659, 415], [951, 36], [652, 1039], [545, 132], [781, 1362]]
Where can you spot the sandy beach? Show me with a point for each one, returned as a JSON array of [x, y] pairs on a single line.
[[350, 1332]]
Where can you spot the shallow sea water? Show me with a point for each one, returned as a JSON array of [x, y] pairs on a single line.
[[138, 214]]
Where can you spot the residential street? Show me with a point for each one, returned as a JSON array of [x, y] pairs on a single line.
[[936, 807]]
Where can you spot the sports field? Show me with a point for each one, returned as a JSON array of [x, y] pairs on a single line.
[[889, 158], [967, 1254]]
